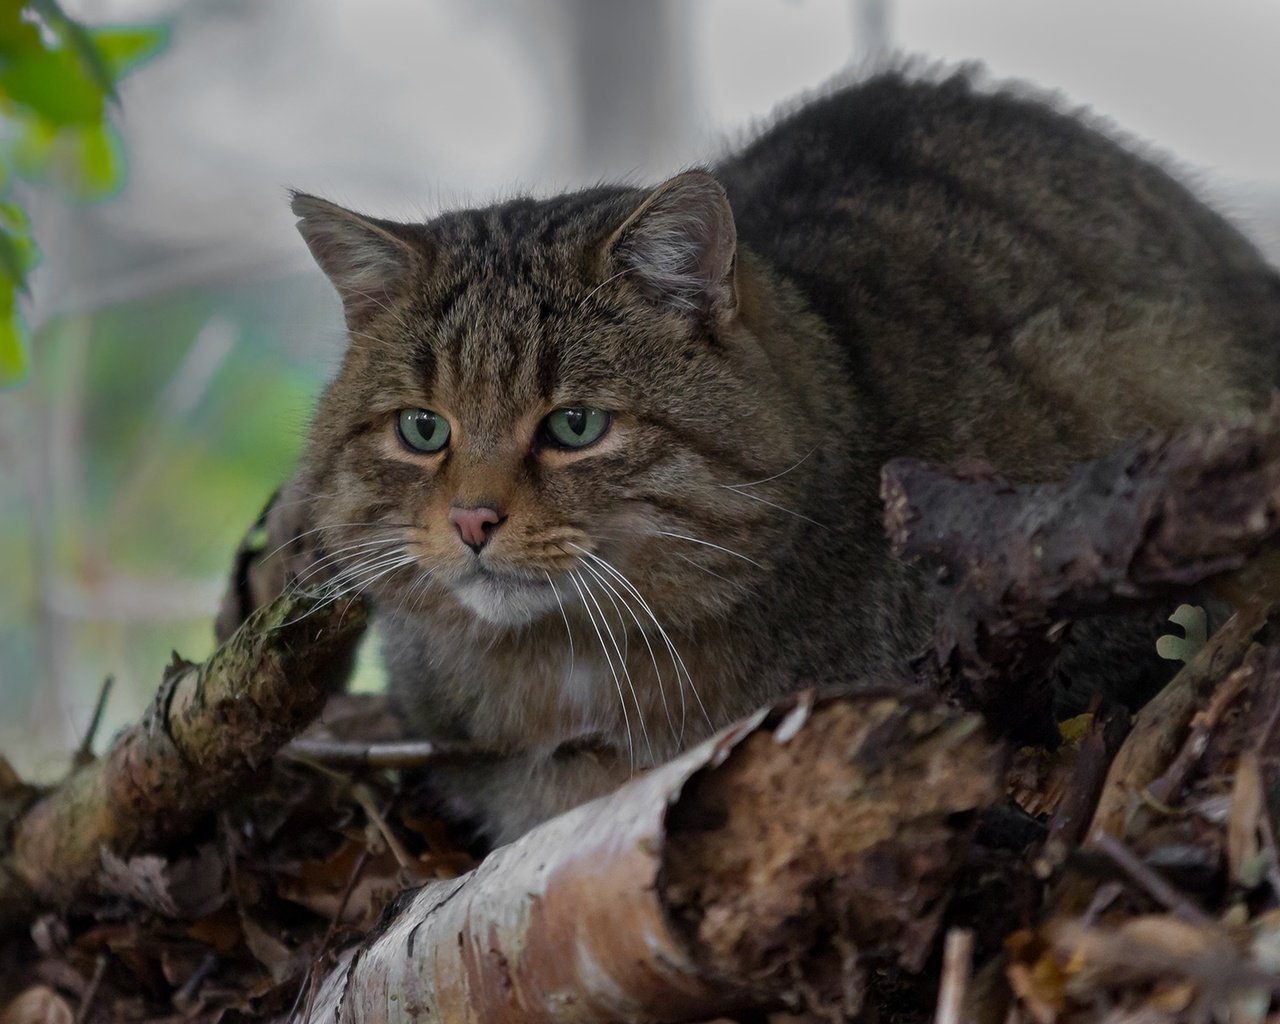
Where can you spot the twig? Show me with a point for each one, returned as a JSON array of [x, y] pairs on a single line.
[[191, 986], [391, 754], [957, 969], [1149, 881], [1166, 787], [84, 753], [1272, 852], [1068, 824], [365, 799], [311, 983], [91, 993]]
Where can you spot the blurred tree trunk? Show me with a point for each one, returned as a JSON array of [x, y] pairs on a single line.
[[632, 64]]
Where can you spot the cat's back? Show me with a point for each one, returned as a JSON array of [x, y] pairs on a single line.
[[908, 151], [959, 237]]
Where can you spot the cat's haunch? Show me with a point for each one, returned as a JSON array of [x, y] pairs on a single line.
[[606, 463]]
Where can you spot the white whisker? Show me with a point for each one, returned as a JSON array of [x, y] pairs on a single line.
[[703, 568], [774, 504], [579, 584], [676, 660], [564, 615], [657, 672], [622, 662], [765, 480], [706, 543]]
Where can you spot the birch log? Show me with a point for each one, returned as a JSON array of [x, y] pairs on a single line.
[[759, 869]]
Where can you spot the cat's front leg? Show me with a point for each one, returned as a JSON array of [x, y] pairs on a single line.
[[502, 798]]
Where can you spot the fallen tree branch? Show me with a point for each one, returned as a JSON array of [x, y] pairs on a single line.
[[1160, 728], [208, 729], [761, 868], [1017, 562]]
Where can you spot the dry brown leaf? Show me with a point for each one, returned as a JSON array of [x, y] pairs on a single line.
[[38, 1005], [1243, 824], [445, 858], [219, 931], [280, 961], [1035, 977], [1039, 778], [1173, 998], [320, 885]]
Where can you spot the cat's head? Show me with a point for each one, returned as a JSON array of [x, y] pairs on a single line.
[[551, 403]]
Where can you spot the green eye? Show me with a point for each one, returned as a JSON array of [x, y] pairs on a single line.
[[576, 428], [422, 430]]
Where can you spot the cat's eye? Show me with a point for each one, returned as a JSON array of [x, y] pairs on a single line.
[[575, 428], [422, 430]]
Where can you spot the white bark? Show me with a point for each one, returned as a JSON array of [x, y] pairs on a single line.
[[811, 830]]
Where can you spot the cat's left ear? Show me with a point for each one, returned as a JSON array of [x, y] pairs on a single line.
[[366, 258], [680, 246]]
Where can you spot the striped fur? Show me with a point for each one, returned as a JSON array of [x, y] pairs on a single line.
[[898, 267]]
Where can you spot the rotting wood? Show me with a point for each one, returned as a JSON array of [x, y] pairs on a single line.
[[1017, 562]]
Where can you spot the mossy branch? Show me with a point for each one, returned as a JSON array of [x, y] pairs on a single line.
[[209, 728]]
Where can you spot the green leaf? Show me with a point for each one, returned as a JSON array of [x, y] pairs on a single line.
[[15, 348], [17, 34], [70, 84], [55, 85], [123, 49], [76, 37], [96, 158], [18, 252]]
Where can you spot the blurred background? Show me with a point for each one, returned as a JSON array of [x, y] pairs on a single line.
[[180, 333]]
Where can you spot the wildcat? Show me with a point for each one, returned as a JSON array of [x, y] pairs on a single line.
[[607, 463]]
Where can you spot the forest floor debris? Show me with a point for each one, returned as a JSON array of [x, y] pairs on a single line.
[[1124, 871]]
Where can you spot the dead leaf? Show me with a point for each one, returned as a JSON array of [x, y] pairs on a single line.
[[144, 880], [183, 889], [219, 931], [280, 961], [1242, 827], [38, 1005], [1035, 976]]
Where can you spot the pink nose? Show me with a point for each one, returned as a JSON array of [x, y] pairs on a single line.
[[474, 524]]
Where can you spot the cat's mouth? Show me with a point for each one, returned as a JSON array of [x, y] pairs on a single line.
[[505, 598]]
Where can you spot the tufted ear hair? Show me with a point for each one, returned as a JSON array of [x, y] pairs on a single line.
[[367, 259], [680, 246]]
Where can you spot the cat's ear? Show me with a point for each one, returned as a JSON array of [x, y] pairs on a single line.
[[680, 246], [364, 258]]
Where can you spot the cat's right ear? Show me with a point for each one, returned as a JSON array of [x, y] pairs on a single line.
[[364, 258], [680, 246]]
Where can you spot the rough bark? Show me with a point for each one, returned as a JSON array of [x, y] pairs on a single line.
[[761, 868], [1017, 562], [1161, 726], [208, 729]]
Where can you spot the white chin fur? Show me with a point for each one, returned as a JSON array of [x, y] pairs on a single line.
[[505, 604]]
